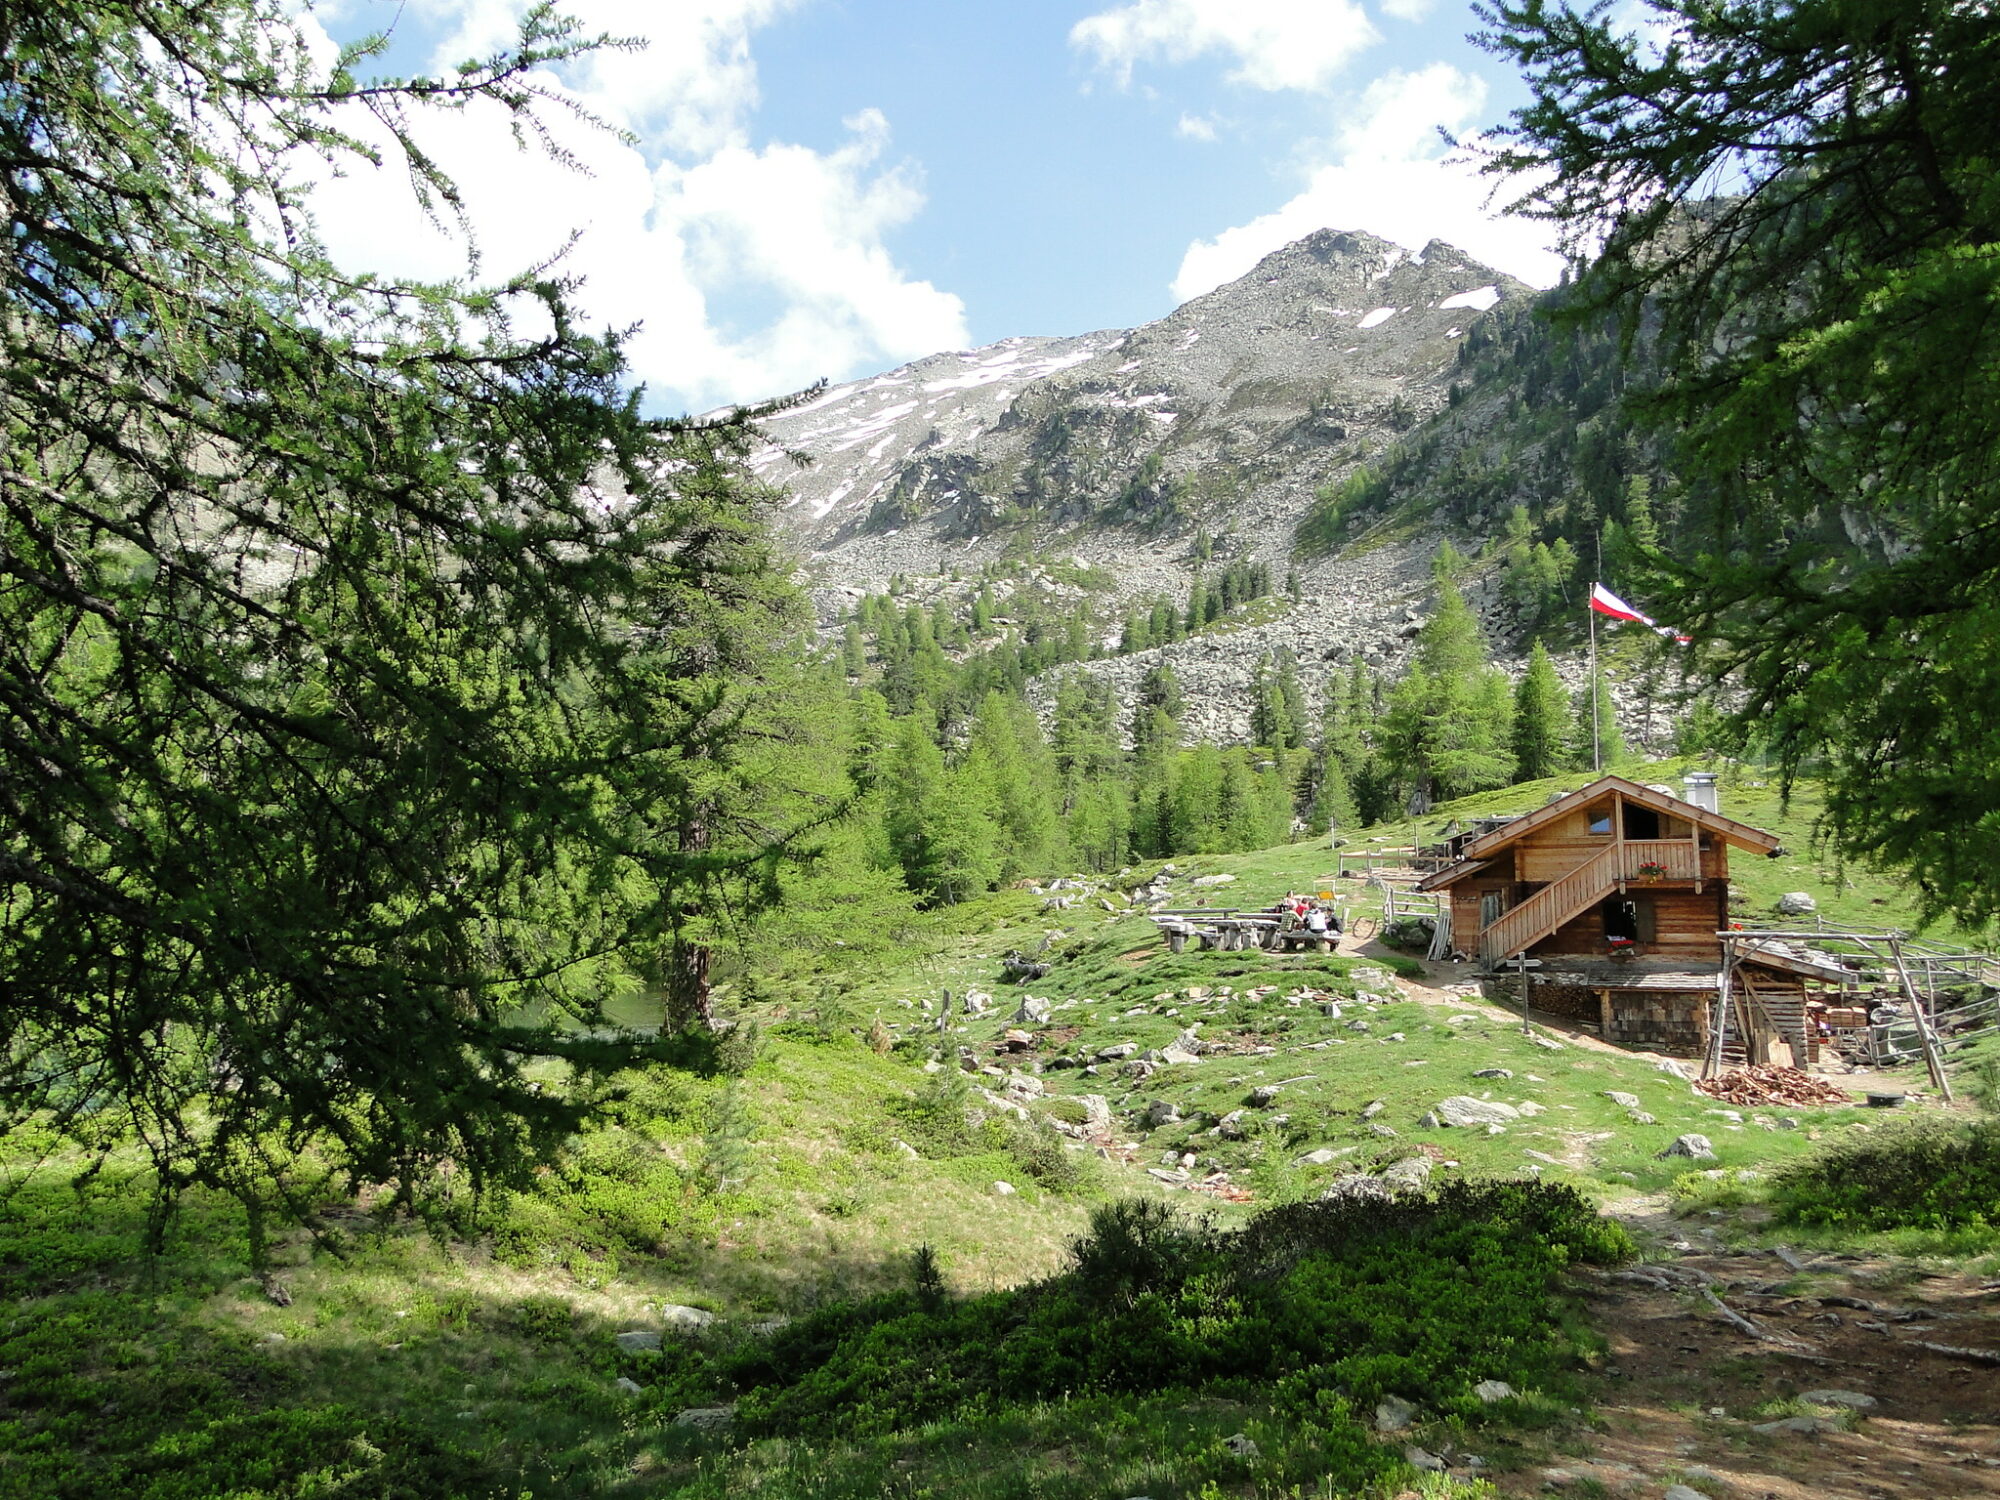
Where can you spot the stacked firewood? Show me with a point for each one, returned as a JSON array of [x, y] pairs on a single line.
[[1770, 1084]]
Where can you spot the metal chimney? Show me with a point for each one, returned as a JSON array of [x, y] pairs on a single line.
[[1701, 790]]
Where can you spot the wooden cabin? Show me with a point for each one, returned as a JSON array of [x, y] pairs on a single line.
[[1615, 895]]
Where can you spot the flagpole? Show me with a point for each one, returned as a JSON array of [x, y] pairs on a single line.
[[1596, 748]]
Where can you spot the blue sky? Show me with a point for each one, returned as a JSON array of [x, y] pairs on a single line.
[[832, 187]]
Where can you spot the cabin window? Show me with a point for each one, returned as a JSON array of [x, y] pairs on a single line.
[[1641, 822], [1600, 820]]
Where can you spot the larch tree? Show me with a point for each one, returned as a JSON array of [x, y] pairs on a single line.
[[1829, 368], [359, 652]]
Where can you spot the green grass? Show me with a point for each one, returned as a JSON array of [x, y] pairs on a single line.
[[409, 1364]]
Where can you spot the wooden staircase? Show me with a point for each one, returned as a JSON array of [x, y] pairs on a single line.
[[1521, 927], [1559, 901]]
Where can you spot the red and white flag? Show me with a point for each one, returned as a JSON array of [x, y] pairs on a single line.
[[1607, 603]]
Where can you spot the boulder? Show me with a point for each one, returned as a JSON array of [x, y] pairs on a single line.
[[1409, 1174], [1621, 1099], [1682, 1492], [1493, 1390], [1241, 1445], [1264, 1097], [1116, 1052], [1003, 1190], [1035, 1011], [639, 1341], [706, 1418], [1796, 904], [686, 1319], [1795, 1424], [1162, 1112], [1096, 1110], [1463, 1109], [1494, 1073], [1210, 880], [1853, 1400], [628, 1386], [1176, 1054], [1393, 1414], [1694, 1147], [1231, 1127], [1356, 1185], [1422, 1458], [1322, 1156]]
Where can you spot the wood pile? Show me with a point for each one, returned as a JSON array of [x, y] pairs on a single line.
[[1770, 1084]]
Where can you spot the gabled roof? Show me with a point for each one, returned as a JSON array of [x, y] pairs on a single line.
[[1728, 829]]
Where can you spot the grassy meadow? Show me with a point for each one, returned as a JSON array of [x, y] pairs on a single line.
[[788, 1198]]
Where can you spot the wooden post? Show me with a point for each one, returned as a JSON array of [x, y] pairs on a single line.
[[1711, 1066], [1604, 1014], [1927, 1038]]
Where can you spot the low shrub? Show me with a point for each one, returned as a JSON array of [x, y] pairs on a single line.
[[1914, 1174], [1331, 1305]]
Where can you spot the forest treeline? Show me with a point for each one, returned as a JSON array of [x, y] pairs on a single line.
[[960, 785]]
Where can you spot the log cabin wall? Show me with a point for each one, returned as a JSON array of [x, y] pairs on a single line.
[[1662, 1020], [1550, 853], [1672, 923]]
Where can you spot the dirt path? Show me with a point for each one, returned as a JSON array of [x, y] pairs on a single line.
[[1683, 1391]]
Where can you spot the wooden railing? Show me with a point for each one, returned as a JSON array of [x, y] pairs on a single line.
[[1561, 900]]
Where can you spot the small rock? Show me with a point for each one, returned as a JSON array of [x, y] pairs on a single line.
[[1231, 1126], [1372, 1110], [1796, 904], [1556, 1479], [1621, 1099], [1321, 1157], [1387, 1132], [1356, 1185], [1493, 1390], [1695, 1147], [1463, 1109], [707, 1418], [1794, 1424], [1241, 1445], [1096, 1110], [1640, 1117], [904, 1149], [1410, 1173], [1176, 1054], [1162, 1112], [1529, 1108], [1393, 1414], [1682, 1492], [1263, 1098], [1003, 1189], [1494, 1073], [1034, 1011], [1116, 1052], [639, 1341], [1206, 880], [1852, 1399], [628, 1385], [1423, 1458]]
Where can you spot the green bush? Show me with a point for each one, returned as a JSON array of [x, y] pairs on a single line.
[[1330, 1305], [1915, 1174]]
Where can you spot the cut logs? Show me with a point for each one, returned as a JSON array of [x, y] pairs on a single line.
[[1772, 1085]]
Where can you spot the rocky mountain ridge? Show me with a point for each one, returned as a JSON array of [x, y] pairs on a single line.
[[1154, 453]]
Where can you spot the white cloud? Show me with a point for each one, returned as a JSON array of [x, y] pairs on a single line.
[[1387, 172], [1276, 44], [1408, 10], [752, 269], [1195, 128]]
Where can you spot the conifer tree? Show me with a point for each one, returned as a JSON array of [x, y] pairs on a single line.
[[1541, 720], [347, 731]]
